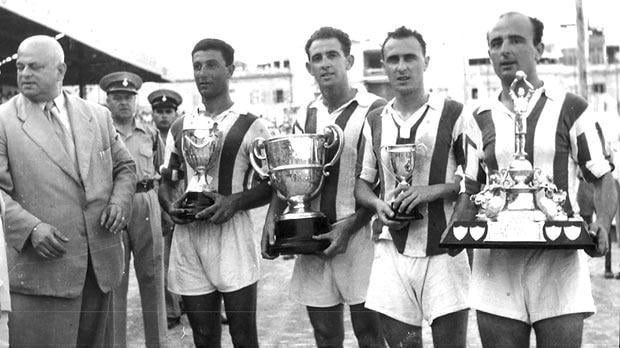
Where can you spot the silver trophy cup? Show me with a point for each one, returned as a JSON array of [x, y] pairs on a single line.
[[520, 207], [399, 160], [296, 168], [201, 147]]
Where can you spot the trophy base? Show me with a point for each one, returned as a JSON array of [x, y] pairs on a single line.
[[194, 203], [566, 234], [414, 215], [294, 236]]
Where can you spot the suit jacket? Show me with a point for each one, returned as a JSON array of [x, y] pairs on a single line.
[[40, 183]]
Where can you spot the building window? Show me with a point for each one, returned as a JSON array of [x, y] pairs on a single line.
[[598, 88], [474, 93], [287, 64], [372, 59], [255, 97], [278, 96]]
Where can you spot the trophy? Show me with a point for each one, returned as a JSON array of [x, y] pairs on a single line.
[[201, 146], [520, 207], [296, 169], [400, 164]]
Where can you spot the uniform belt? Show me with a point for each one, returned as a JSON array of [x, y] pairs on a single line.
[[144, 185]]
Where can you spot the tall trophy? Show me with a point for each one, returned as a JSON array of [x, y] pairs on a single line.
[[400, 162], [520, 207], [201, 145], [296, 168]]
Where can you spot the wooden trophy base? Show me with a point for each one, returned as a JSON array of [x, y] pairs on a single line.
[[566, 234], [194, 203], [294, 236], [414, 215]]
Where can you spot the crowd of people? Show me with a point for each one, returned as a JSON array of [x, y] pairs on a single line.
[[84, 187]]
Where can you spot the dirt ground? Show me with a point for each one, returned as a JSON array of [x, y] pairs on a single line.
[[283, 323]]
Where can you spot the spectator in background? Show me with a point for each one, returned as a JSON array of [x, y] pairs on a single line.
[[165, 103], [143, 237]]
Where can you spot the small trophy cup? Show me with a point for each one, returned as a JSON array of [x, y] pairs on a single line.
[[201, 147], [520, 207], [296, 170], [400, 162]]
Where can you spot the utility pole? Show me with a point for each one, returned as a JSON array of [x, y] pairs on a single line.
[[581, 52]]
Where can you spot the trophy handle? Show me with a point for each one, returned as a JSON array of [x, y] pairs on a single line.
[[421, 146], [386, 167], [337, 136], [258, 150]]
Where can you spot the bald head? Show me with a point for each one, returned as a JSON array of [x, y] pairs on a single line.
[[537, 26], [40, 68], [515, 45]]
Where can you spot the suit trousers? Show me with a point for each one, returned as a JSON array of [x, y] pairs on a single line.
[[46, 321], [144, 240]]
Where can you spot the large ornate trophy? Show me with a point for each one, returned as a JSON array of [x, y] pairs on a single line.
[[400, 162], [520, 207], [296, 170], [201, 146]]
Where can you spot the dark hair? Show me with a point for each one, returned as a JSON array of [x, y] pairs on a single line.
[[403, 33], [216, 44], [537, 26], [538, 29], [330, 33]]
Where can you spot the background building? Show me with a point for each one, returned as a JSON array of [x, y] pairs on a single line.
[[602, 71]]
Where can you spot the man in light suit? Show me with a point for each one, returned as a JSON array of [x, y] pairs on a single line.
[[67, 180]]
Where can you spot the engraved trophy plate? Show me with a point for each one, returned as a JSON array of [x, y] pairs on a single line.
[[296, 170], [400, 162], [201, 146], [520, 207]]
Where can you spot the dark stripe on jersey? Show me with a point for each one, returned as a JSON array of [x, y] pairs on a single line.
[[459, 151], [310, 126], [572, 108], [412, 131], [378, 104], [176, 129], [487, 128], [230, 149], [330, 185], [374, 122], [583, 156], [601, 137], [437, 174], [532, 120]]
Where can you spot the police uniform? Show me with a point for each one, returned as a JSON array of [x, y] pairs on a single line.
[[143, 236], [165, 98]]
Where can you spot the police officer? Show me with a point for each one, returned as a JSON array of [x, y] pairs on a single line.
[[143, 237], [165, 103]]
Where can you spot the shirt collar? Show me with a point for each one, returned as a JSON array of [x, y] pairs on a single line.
[[138, 125], [435, 102], [550, 92], [59, 102], [362, 97]]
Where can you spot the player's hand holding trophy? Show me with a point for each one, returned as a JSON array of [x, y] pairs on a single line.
[[520, 206], [399, 161], [201, 145]]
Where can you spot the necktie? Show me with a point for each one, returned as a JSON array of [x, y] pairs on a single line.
[[64, 135]]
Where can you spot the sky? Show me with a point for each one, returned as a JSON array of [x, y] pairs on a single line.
[[164, 32]]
